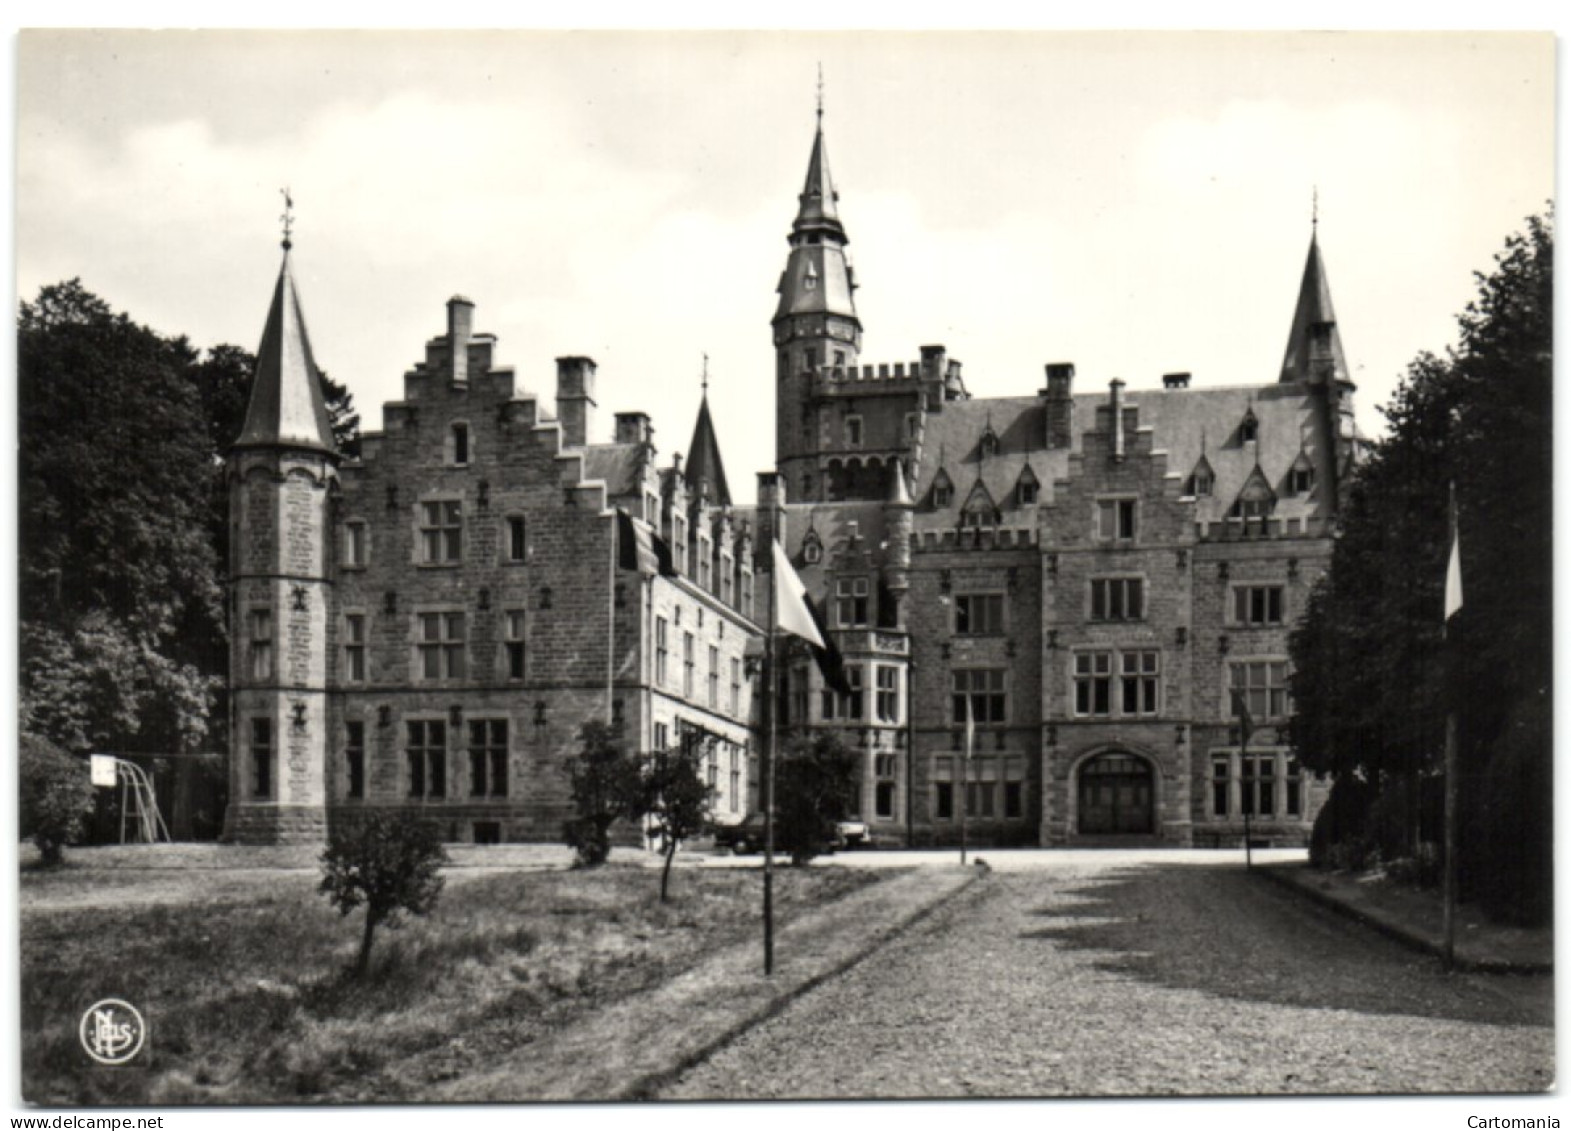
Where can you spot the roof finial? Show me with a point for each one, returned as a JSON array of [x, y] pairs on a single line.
[[705, 378], [1314, 210], [820, 93], [288, 217]]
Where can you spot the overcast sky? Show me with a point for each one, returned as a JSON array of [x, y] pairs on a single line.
[[1133, 203]]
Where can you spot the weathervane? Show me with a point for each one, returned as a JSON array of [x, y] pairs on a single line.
[[288, 217], [1314, 208], [706, 375], [820, 92]]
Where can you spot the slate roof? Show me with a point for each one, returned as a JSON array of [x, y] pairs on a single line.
[[620, 465], [703, 459], [287, 407]]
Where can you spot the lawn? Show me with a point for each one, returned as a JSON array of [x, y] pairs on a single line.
[[243, 976]]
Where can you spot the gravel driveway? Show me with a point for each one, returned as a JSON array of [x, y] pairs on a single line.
[[1101, 978]]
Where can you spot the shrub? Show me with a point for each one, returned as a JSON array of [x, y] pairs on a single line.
[[56, 796], [813, 781], [1339, 838], [606, 787], [389, 863]]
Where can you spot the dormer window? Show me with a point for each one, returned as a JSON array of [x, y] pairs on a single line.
[[1202, 481], [1248, 428], [1301, 476], [812, 548], [1256, 500], [943, 490], [989, 444], [1027, 488]]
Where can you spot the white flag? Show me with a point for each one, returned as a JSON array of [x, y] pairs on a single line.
[[1454, 566], [970, 726], [791, 613]]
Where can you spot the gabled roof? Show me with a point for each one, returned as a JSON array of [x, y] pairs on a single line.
[[703, 461], [619, 465], [287, 408]]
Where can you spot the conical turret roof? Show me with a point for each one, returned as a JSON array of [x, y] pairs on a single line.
[[287, 408], [703, 461], [1314, 347]]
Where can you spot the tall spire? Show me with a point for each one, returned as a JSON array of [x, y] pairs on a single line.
[[705, 474], [1314, 347], [287, 408], [817, 278]]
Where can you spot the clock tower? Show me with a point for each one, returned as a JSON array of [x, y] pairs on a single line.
[[815, 323]]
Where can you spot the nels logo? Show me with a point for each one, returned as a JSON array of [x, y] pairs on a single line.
[[112, 1031]]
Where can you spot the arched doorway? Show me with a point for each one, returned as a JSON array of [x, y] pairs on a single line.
[[1116, 794]]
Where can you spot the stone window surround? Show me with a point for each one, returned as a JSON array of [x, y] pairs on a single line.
[[351, 560], [1287, 772], [1115, 676], [1132, 575], [421, 528]]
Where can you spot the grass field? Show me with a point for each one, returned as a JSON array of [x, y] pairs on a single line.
[[242, 974]]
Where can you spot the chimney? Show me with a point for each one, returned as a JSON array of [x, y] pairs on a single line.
[[460, 328], [1057, 404], [634, 428], [954, 386], [1175, 380], [575, 399], [1116, 403], [771, 517]]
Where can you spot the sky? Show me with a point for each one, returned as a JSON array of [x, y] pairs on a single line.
[[1135, 203]]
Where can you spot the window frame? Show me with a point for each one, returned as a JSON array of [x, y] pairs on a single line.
[[515, 638], [1243, 594], [263, 667], [356, 544], [356, 646], [425, 762], [853, 602], [967, 621], [489, 756], [1125, 516], [1101, 598], [1276, 688], [354, 759], [439, 526], [989, 704], [451, 651], [262, 750]]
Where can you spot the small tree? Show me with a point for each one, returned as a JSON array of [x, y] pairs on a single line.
[[813, 783], [606, 787], [389, 863], [678, 799], [57, 796]]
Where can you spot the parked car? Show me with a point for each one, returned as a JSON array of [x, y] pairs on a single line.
[[853, 834], [747, 836]]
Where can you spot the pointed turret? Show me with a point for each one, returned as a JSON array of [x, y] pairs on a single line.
[[1314, 348], [816, 206], [705, 473], [287, 408], [817, 278]]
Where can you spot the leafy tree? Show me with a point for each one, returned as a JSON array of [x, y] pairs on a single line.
[[388, 863], [1373, 681], [814, 781], [678, 799], [606, 786], [57, 796]]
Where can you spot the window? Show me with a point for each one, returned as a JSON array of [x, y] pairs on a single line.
[[943, 789], [517, 546], [427, 757], [1259, 785], [886, 703], [884, 787], [1201, 484], [354, 647], [1257, 604], [812, 548], [704, 564], [979, 614], [797, 706], [943, 493], [679, 542], [712, 770], [1249, 428], [736, 686], [1117, 598], [1301, 480], [662, 736], [736, 779], [985, 686], [853, 431], [261, 644], [1014, 789], [515, 644], [1221, 775], [1093, 683], [1141, 688], [356, 545], [1293, 789], [441, 645], [1264, 686], [851, 602], [727, 579], [1027, 492], [441, 531], [662, 651], [1257, 507], [262, 757], [911, 426], [746, 607], [714, 677], [354, 757], [1115, 520], [687, 664], [488, 757], [846, 707], [460, 446]]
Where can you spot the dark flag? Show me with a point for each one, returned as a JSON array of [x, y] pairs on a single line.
[[1246, 722], [831, 665], [640, 549]]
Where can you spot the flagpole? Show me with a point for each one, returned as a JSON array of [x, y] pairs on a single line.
[[771, 701], [610, 644], [1448, 657], [965, 780]]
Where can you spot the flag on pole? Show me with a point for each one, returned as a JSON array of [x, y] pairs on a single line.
[[1246, 722], [640, 549], [970, 727], [1454, 565], [791, 610]]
